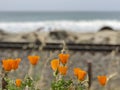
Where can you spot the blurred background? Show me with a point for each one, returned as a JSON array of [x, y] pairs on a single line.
[[74, 21]]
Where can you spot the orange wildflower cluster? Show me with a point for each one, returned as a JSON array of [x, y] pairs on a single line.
[[79, 73], [33, 59], [56, 64], [18, 82], [102, 80], [11, 64]]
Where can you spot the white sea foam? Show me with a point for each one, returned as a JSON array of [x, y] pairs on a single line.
[[80, 26]]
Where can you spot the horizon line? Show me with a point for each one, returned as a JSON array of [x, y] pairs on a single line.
[[61, 11]]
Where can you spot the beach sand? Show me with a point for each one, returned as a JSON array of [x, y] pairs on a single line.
[[100, 37]]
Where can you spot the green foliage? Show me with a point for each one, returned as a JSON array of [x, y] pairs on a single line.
[[81, 86], [28, 82], [61, 84], [11, 85], [55, 73]]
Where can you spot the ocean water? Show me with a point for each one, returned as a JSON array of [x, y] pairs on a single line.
[[74, 21]]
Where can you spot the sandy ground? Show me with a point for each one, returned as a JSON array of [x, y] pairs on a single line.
[[104, 37]]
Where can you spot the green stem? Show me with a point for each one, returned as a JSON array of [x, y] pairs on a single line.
[[81, 88], [103, 88], [30, 72]]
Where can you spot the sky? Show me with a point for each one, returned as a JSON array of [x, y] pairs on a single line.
[[59, 5]]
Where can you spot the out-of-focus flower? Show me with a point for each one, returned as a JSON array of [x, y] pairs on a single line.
[[15, 63], [76, 71], [63, 58], [55, 64], [10, 64], [7, 64], [81, 75], [18, 82], [33, 59], [63, 70], [102, 80]]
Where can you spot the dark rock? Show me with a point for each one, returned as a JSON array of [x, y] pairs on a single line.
[[2, 32], [59, 35], [106, 28], [40, 29]]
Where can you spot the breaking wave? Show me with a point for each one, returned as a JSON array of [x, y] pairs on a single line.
[[77, 26]]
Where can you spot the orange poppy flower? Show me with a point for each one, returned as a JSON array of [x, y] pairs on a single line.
[[81, 75], [55, 64], [76, 71], [33, 59], [7, 64], [16, 63], [102, 80], [18, 82], [63, 58], [63, 70]]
